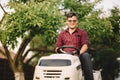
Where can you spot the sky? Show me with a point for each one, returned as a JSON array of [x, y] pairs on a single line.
[[106, 5]]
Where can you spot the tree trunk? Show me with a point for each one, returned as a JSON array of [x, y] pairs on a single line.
[[19, 76]]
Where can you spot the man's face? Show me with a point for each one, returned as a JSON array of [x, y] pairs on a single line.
[[72, 22]]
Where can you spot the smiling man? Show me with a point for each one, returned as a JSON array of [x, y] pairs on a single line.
[[73, 36]]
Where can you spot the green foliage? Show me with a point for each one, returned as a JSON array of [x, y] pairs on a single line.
[[115, 21], [82, 8], [31, 18], [97, 28]]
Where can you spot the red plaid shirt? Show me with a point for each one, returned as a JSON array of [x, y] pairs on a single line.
[[76, 39]]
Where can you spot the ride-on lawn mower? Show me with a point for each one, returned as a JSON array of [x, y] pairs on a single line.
[[61, 67]]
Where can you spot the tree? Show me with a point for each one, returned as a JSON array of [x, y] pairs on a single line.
[[110, 48], [31, 18]]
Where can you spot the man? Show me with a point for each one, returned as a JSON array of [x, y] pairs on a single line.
[[73, 36]]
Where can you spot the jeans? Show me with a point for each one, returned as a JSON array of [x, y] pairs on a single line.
[[86, 66]]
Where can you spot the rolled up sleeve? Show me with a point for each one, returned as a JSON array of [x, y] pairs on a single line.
[[84, 38], [59, 41]]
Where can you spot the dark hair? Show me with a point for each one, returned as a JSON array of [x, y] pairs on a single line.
[[70, 14]]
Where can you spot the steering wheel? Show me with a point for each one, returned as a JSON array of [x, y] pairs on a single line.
[[77, 51]]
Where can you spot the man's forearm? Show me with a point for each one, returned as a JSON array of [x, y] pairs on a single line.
[[84, 49]]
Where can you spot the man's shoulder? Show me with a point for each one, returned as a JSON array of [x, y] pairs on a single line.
[[63, 31], [81, 30]]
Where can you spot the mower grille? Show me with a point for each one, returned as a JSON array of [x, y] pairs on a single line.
[[52, 73]]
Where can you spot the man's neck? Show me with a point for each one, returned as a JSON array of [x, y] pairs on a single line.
[[71, 30]]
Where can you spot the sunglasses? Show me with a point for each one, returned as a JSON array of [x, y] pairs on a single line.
[[72, 20]]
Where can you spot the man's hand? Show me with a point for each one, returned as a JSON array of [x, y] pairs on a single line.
[[59, 51], [75, 53], [62, 51]]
